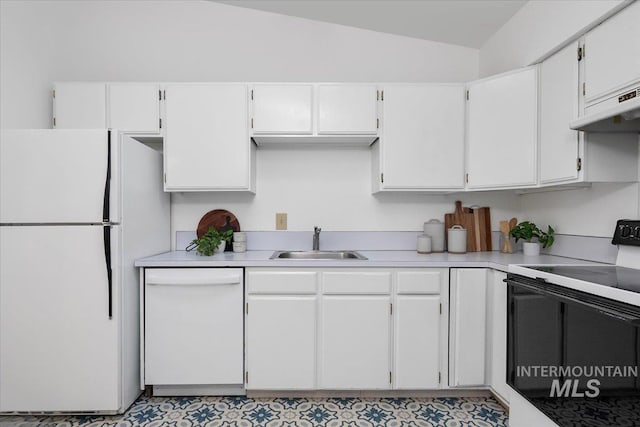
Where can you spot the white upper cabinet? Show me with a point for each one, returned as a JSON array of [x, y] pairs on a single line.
[[422, 141], [134, 107], [282, 109], [79, 106], [612, 54], [568, 156], [503, 130], [207, 145], [559, 94], [347, 109]]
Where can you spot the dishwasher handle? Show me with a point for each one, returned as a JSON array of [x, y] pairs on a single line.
[[158, 279]]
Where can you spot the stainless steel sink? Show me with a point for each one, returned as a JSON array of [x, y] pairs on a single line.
[[320, 255]]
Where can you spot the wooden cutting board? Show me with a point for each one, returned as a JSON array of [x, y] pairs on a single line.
[[464, 217], [217, 218], [482, 229]]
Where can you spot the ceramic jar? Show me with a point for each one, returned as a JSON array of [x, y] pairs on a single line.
[[435, 229], [457, 238], [424, 244]]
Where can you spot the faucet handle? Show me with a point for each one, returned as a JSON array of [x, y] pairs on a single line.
[[317, 229]]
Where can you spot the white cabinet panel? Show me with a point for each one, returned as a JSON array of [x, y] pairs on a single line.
[[207, 146], [497, 325], [422, 142], [347, 109], [134, 107], [282, 109], [559, 94], [282, 282], [468, 327], [503, 130], [281, 342], [417, 342], [80, 106], [354, 343], [356, 282], [612, 58], [193, 327]]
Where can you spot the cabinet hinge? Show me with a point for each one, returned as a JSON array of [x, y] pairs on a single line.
[[160, 123], [390, 377], [467, 95], [54, 122], [377, 123], [382, 178], [159, 95], [382, 96], [439, 377], [391, 308], [377, 95], [54, 93], [246, 377], [584, 89], [466, 178], [252, 94], [247, 308], [579, 54], [440, 308], [579, 164], [165, 178], [251, 122], [164, 95]]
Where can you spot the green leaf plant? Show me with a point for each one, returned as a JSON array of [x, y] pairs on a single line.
[[528, 231]]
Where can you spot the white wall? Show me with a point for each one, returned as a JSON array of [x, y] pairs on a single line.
[[46, 41], [536, 30]]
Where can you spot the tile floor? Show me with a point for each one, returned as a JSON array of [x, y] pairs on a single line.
[[280, 412]]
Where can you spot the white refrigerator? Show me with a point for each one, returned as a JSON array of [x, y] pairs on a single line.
[[77, 207]]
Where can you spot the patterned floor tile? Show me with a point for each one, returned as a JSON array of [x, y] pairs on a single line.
[[281, 412]]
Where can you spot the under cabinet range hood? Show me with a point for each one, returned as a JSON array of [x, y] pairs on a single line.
[[617, 112]]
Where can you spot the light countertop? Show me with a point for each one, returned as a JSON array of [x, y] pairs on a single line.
[[386, 259]]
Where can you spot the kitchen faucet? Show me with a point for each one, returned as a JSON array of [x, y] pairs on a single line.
[[316, 238]]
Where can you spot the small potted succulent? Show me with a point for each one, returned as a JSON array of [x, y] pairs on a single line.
[[213, 241], [533, 237]]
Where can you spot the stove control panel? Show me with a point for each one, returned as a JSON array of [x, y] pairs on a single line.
[[627, 233]]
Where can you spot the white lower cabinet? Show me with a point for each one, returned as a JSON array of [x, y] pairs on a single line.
[[346, 328], [467, 335], [354, 349]]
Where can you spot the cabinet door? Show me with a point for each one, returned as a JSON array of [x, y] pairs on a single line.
[[498, 328], [282, 109], [422, 143], [347, 109], [612, 58], [502, 130], [559, 94], [80, 106], [468, 327], [354, 342], [281, 342], [417, 341], [206, 144], [134, 107]]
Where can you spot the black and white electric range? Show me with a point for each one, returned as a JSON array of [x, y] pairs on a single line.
[[573, 337]]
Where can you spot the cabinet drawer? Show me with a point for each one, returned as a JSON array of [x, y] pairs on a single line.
[[281, 282], [357, 283], [419, 282]]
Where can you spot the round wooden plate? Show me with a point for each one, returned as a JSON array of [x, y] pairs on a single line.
[[216, 219]]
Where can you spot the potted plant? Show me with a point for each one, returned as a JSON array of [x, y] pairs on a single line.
[[533, 237], [213, 241]]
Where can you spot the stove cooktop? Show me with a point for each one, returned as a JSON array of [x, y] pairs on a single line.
[[605, 275]]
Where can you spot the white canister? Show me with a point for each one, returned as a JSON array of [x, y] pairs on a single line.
[[239, 246], [424, 244], [457, 237], [239, 236], [435, 229]]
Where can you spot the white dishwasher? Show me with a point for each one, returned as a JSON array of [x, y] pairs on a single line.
[[193, 330]]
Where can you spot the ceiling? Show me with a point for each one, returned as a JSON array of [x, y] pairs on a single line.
[[462, 22]]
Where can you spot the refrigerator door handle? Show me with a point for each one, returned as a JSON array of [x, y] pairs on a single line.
[[106, 230], [107, 185]]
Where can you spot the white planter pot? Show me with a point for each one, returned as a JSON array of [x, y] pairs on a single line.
[[221, 247], [531, 248]]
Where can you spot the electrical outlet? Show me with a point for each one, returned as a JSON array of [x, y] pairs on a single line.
[[281, 221]]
